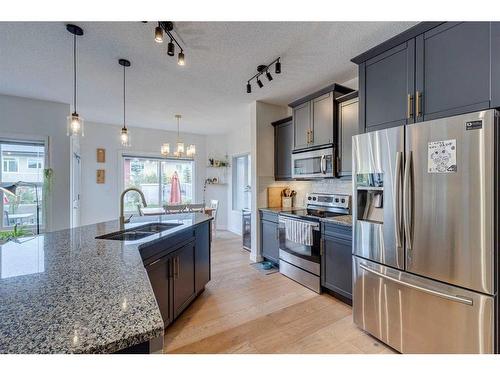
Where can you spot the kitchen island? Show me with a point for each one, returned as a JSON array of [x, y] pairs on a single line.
[[68, 292]]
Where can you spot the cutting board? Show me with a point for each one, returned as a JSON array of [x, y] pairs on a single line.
[[274, 196]]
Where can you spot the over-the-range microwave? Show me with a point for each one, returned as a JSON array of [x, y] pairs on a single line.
[[317, 163]]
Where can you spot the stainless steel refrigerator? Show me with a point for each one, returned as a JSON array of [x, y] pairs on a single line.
[[425, 240]]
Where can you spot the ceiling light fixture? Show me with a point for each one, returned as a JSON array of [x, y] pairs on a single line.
[[124, 135], [180, 150], [180, 59], [264, 69], [158, 34], [75, 123], [167, 28]]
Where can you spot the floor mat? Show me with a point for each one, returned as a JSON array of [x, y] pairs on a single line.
[[258, 267]]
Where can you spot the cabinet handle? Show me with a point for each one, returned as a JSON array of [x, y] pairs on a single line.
[[321, 247], [308, 133], [312, 135], [419, 104], [409, 109], [176, 275], [338, 165]]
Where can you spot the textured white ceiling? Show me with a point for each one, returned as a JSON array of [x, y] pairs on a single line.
[[36, 62]]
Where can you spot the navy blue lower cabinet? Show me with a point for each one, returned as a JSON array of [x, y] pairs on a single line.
[[269, 236], [336, 262]]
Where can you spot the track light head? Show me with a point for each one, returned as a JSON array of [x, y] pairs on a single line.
[[249, 88], [259, 82], [158, 34], [269, 76], [180, 59], [277, 67], [171, 48]]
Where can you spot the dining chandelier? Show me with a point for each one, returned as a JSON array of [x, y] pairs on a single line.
[[181, 151]]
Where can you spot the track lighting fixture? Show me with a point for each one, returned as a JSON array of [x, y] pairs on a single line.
[[170, 48], [180, 59], [158, 34], [277, 67], [264, 69], [75, 123], [165, 30], [124, 135]]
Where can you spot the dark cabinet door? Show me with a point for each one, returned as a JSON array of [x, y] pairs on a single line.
[[183, 272], [283, 147], [322, 120], [348, 127], [495, 64], [270, 240], [337, 265], [202, 255], [159, 276], [302, 125], [387, 87], [452, 70]]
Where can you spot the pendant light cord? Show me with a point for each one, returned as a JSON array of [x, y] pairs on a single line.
[[124, 97], [74, 72]]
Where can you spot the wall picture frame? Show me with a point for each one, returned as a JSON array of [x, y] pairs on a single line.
[[101, 155]]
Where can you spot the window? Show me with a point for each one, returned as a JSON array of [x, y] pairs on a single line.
[[156, 177], [21, 162], [241, 182], [10, 165], [34, 164]]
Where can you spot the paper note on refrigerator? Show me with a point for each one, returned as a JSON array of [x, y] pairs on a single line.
[[442, 156]]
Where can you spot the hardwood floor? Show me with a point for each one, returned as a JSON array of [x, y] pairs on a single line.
[[245, 311]]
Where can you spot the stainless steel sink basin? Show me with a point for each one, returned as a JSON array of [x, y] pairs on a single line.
[[137, 233]]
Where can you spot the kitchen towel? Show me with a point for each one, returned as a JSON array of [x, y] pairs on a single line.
[[300, 232]]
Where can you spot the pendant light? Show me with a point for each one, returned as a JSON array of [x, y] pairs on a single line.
[[124, 135], [75, 123], [181, 151]]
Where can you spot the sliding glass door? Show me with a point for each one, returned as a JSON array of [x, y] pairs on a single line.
[[163, 181], [21, 162]]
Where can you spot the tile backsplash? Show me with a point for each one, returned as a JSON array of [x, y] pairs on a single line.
[[319, 186]]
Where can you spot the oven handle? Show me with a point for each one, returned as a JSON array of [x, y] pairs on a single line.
[[315, 225]]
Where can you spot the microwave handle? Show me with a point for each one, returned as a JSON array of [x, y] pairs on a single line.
[[323, 164]]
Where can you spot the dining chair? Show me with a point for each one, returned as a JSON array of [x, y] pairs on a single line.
[[214, 205], [195, 207], [174, 208]]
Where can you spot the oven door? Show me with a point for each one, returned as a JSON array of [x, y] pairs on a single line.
[[313, 164], [302, 256]]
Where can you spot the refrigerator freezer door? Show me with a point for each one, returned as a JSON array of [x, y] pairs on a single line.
[[377, 229], [416, 315], [449, 200]]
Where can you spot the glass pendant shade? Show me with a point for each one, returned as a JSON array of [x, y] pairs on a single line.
[[191, 151], [180, 148], [165, 149], [125, 137], [75, 125], [181, 61]]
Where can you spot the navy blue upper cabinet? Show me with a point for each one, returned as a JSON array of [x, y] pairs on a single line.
[[432, 70], [495, 64], [452, 70], [387, 86]]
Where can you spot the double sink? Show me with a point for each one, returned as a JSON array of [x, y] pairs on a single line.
[[137, 233]]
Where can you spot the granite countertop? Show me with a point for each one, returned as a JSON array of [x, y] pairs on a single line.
[[345, 220], [67, 292]]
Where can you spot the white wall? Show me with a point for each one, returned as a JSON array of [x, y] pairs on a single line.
[[100, 202], [28, 118]]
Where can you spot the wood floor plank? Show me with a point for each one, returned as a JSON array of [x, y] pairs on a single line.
[[244, 310]]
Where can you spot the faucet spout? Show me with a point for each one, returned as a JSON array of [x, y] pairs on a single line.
[[122, 203]]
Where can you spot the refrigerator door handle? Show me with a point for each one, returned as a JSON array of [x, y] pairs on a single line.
[[407, 204], [397, 199], [464, 300]]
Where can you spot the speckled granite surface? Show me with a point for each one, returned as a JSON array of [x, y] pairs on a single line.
[[345, 220], [67, 292]]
